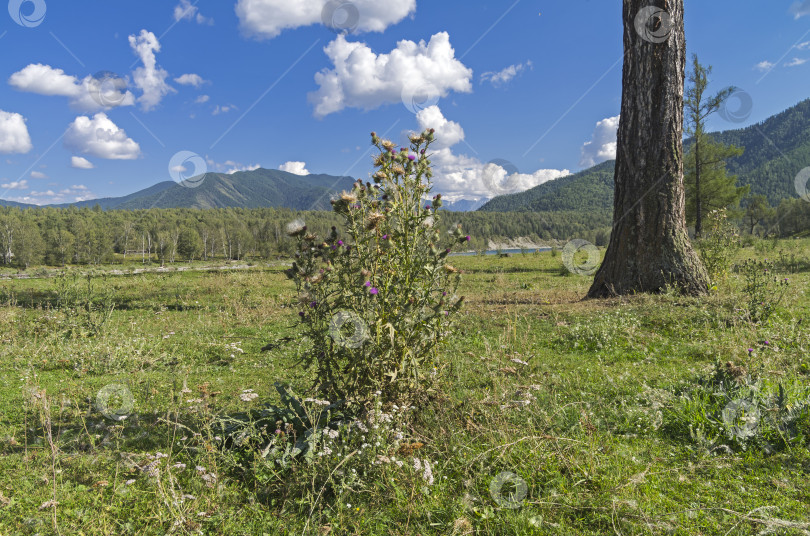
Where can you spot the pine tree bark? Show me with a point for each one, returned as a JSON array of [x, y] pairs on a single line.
[[649, 246]]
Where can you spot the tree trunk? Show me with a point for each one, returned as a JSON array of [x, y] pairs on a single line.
[[649, 246], [698, 204]]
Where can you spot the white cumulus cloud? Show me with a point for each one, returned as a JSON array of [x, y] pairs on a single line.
[[800, 8], [38, 175], [363, 79], [296, 168], [795, 62], [15, 185], [268, 18], [150, 79], [459, 176], [14, 137], [100, 137], [185, 10], [74, 194], [80, 163], [87, 95], [502, 77], [202, 99], [602, 146], [190, 80], [223, 109], [447, 133], [764, 66], [240, 167], [229, 166]]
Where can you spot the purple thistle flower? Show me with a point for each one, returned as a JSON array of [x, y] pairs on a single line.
[[334, 247], [467, 238], [750, 350], [313, 304], [411, 157], [301, 314], [385, 237], [444, 294], [340, 242], [374, 291], [368, 284], [766, 343]]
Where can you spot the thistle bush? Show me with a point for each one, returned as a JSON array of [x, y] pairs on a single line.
[[763, 290], [378, 298], [719, 244]]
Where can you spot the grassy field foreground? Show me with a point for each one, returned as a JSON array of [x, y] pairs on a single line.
[[644, 415]]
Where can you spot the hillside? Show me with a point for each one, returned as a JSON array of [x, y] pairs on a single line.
[[589, 190], [245, 189], [775, 151], [4, 203]]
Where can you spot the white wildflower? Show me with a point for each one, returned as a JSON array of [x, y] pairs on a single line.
[[247, 397], [427, 475], [296, 227]]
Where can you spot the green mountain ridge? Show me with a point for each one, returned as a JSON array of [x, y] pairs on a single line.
[[588, 190], [259, 188], [776, 150]]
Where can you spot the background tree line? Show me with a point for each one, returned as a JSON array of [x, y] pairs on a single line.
[[85, 236]]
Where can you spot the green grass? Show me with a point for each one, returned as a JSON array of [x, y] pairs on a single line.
[[595, 423]]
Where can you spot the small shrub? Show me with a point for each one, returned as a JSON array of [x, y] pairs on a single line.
[[720, 242], [88, 307], [728, 410], [378, 302], [763, 290]]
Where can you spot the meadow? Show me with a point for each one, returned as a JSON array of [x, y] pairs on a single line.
[[649, 414]]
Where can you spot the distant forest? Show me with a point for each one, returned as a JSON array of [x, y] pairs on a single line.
[[85, 236]]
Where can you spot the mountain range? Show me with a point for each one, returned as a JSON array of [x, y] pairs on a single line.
[[776, 149], [244, 189]]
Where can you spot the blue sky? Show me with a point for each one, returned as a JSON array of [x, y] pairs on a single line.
[[268, 84]]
